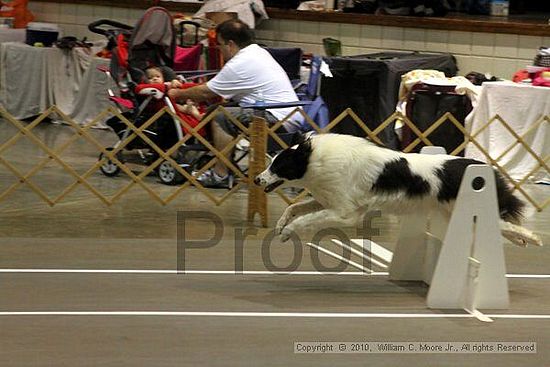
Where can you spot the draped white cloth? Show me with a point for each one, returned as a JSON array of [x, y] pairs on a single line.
[[12, 35], [521, 106], [32, 79]]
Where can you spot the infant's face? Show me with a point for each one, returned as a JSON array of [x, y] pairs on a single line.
[[155, 76]]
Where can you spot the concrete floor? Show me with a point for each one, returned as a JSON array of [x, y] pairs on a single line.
[[217, 320]]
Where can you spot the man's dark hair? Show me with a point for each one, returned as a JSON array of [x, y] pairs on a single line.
[[237, 31]]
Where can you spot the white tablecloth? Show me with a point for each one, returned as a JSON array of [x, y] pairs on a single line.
[[12, 35], [32, 79], [520, 106]]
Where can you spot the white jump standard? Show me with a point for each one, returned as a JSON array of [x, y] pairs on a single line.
[[454, 212]]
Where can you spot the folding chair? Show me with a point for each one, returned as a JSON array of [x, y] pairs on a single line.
[[290, 59], [317, 110]]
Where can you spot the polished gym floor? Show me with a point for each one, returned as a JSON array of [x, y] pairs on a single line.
[[87, 284]]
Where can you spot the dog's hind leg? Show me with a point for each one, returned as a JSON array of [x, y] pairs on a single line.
[[296, 210], [320, 219], [519, 235]]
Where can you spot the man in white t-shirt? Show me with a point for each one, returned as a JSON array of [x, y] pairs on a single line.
[[250, 74]]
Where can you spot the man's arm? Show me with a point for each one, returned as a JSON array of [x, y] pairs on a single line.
[[199, 93]]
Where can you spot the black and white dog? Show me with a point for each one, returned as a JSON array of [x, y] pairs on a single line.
[[347, 176]]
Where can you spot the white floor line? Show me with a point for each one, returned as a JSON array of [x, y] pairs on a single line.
[[271, 314], [536, 276], [227, 272], [188, 272]]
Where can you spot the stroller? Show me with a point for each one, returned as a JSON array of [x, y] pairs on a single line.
[[152, 42]]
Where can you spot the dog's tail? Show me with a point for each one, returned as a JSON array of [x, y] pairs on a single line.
[[519, 235], [511, 208]]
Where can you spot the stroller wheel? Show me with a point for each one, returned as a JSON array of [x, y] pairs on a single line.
[[169, 175], [108, 168]]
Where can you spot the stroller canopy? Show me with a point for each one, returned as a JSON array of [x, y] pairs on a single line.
[[153, 41]]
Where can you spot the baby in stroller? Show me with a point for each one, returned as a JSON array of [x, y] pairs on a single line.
[[154, 75], [190, 111]]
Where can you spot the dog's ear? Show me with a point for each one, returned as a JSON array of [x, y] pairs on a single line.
[[305, 146], [297, 139]]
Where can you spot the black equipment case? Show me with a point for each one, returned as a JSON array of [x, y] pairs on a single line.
[[369, 85]]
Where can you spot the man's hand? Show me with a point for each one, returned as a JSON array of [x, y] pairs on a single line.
[[174, 94], [199, 93], [175, 84]]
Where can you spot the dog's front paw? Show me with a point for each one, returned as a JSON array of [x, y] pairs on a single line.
[[285, 234], [281, 223]]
